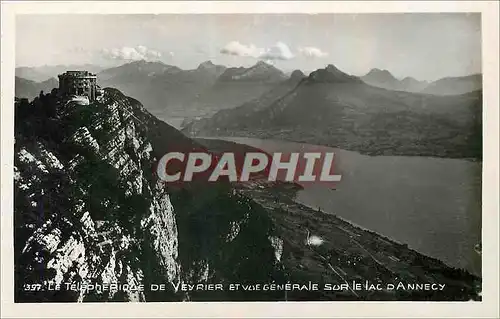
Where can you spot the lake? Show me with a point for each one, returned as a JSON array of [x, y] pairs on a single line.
[[431, 204]]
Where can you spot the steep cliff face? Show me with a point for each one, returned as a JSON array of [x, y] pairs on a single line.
[[90, 210]]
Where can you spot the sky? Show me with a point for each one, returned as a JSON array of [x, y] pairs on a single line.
[[426, 46]]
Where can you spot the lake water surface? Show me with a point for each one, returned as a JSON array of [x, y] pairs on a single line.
[[431, 204]]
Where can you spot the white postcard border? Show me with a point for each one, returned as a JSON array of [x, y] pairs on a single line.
[[487, 308]]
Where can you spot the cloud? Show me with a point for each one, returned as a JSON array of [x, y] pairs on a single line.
[[279, 51], [312, 52], [139, 52], [239, 49]]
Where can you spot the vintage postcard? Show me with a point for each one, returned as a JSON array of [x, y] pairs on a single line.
[[285, 158]]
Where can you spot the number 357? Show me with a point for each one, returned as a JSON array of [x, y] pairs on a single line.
[[32, 287]]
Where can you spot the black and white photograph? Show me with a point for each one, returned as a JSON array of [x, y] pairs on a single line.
[[248, 157]]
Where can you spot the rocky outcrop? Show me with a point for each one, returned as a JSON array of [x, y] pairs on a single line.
[[89, 209], [95, 175]]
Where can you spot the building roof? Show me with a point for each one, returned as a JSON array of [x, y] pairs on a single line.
[[77, 74]]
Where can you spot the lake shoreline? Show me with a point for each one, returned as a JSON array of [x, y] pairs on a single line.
[[427, 203], [355, 149]]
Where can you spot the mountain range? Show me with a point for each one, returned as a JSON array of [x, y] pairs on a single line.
[[385, 79], [201, 86], [171, 92], [455, 85], [29, 89], [445, 86], [168, 91], [330, 107]]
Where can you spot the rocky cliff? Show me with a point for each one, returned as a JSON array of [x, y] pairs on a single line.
[[90, 210]]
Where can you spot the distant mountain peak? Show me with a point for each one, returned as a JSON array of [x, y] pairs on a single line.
[[455, 85], [331, 74], [261, 71], [409, 78], [138, 62], [297, 74], [264, 66], [159, 65], [210, 67], [207, 64], [377, 70], [384, 79], [261, 63], [332, 68], [381, 75], [145, 62]]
